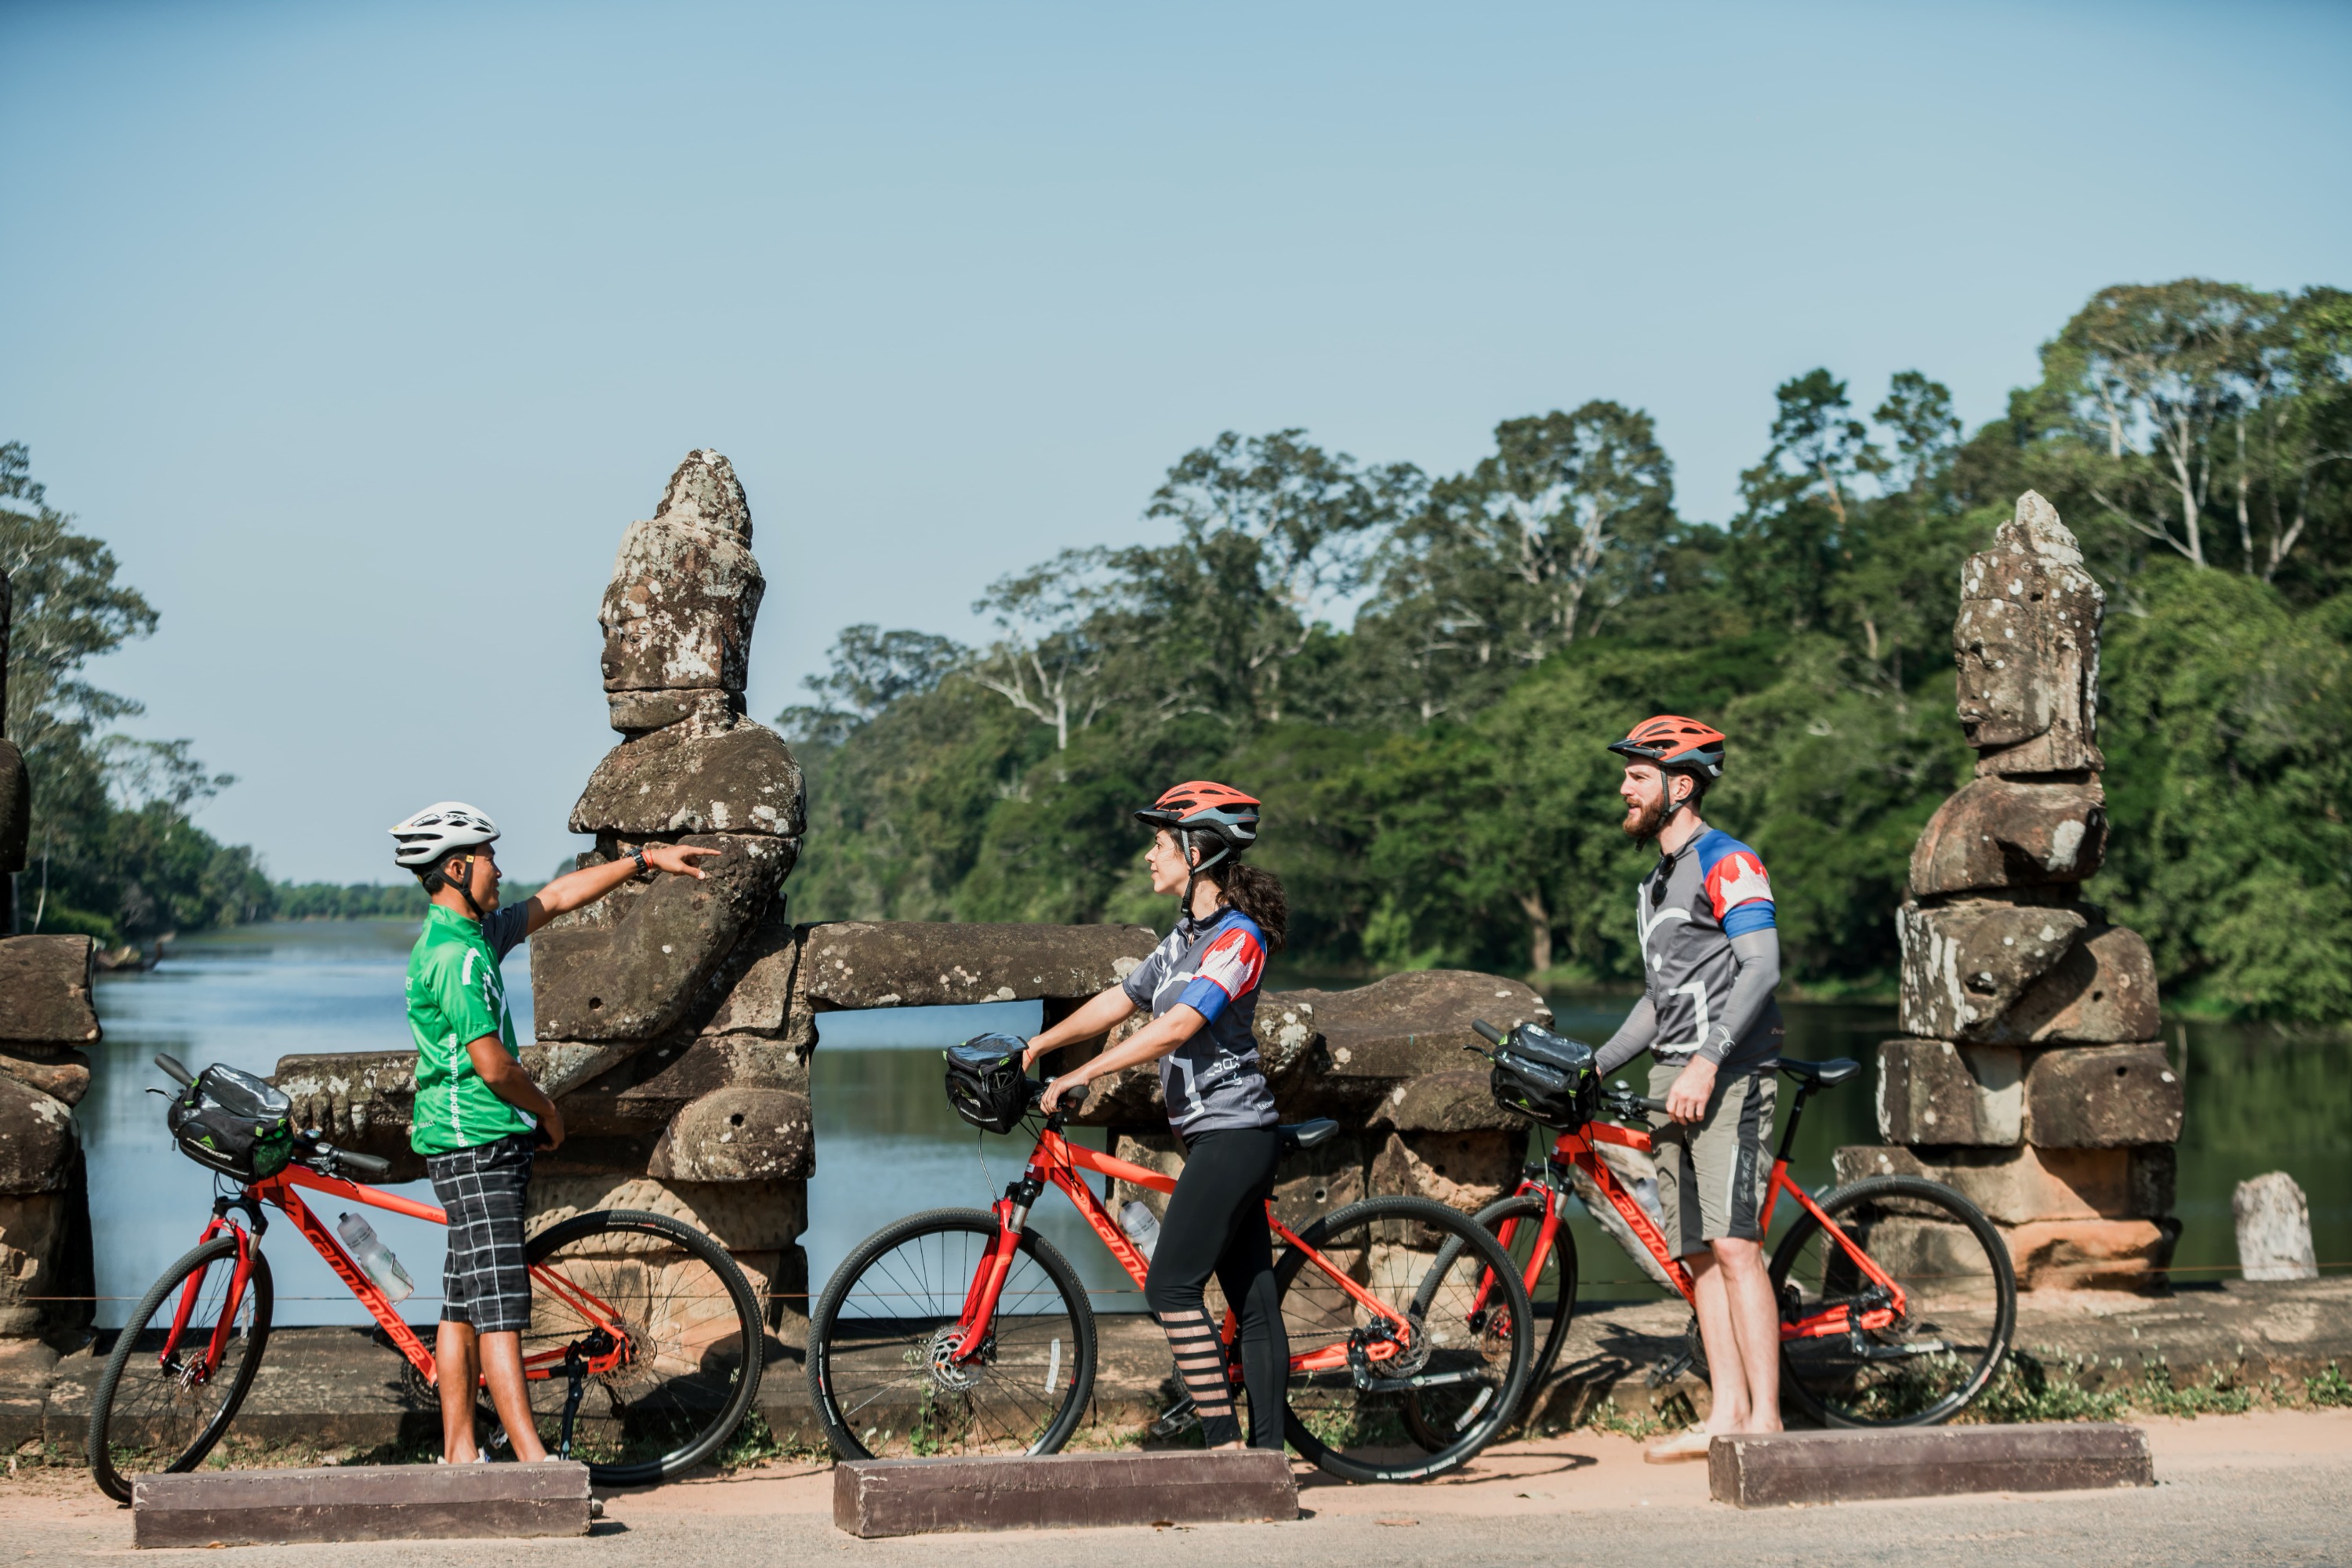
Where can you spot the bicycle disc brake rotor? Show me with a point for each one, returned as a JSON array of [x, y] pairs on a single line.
[[947, 1372]]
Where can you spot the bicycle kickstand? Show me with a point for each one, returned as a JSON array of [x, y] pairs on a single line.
[[573, 1370]]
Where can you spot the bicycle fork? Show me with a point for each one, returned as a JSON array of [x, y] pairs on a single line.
[[201, 1370]]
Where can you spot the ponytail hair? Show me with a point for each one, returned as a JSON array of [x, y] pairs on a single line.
[[1257, 894]]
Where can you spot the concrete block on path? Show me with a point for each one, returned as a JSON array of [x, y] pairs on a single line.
[[914, 1496], [359, 1502], [1782, 1469]]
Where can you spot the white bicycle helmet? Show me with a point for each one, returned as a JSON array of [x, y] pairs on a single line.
[[439, 831]]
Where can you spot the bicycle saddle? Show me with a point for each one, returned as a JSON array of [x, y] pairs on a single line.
[[1820, 1075], [1307, 1134]]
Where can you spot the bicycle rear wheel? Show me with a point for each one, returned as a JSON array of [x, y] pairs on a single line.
[[1960, 1305], [1460, 1369], [692, 1344], [153, 1413], [1551, 1294], [882, 1362]]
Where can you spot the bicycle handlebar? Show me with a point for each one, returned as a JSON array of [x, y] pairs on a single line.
[[172, 1069], [365, 1164], [1493, 1035]]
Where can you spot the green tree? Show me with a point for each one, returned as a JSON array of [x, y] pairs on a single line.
[[114, 852]]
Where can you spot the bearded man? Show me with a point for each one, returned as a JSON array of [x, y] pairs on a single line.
[[1710, 959]]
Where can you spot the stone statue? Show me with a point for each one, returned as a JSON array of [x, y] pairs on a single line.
[[2025, 1078]]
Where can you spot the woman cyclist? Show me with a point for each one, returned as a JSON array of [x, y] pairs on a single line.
[[1201, 985]]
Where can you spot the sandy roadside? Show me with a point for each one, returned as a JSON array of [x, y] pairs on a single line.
[[1580, 1472]]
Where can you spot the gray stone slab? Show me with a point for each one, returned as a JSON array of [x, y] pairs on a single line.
[[359, 1502], [1781, 1468], [914, 1496]]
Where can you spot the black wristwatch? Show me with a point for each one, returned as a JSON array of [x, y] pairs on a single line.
[[638, 855]]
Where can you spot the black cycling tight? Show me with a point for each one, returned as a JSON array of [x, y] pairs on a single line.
[[1216, 1224]]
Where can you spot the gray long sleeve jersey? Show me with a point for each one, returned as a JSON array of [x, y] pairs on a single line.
[[1710, 960]]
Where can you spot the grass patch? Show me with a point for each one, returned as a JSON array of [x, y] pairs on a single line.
[[2328, 1387], [1676, 1415]]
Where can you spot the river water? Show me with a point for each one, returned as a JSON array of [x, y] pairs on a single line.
[[887, 1144]]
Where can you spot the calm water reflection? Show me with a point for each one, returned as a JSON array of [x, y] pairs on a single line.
[[888, 1145]]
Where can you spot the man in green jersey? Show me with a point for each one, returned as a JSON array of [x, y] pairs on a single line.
[[479, 1116]]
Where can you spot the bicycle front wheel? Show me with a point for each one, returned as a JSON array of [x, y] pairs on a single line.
[[156, 1412], [1516, 1222], [1359, 1383], [885, 1363], [1914, 1368], [685, 1324]]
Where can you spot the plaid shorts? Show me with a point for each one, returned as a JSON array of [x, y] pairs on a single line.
[[484, 1281]]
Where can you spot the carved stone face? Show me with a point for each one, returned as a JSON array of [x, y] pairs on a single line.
[[2027, 643], [686, 589]]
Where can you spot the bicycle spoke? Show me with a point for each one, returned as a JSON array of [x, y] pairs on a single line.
[[1861, 1358], [897, 1377], [1414, 1349]]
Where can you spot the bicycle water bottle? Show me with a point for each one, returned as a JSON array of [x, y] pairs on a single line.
[[1143, 1226], [374, 1258]]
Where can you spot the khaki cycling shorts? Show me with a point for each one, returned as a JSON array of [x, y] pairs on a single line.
[[1713, 1175]]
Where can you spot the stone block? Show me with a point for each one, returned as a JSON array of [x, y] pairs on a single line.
[[633, 965], [1059, 1491], [1966, 964], [1444, 1102], [1933, 1091], [924, 963], [2274, 1223], [758, 975], [32, 1247], [686, 588], [691, 779], [2018, 1185], [743, 1134], [2102, 990], [2027, 643], [1289, 1043], [1466, 1170], [1995, 832], [1783, 1469], [359, 1502], [37, 1140], [61, 1074], [45, 990], [2101, 1097], [2091, 1254], [1400, 1028], [359, 1099], [742, 1216]]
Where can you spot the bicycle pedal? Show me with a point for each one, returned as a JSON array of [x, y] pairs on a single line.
[[1665, 1372], [1178, 1417]]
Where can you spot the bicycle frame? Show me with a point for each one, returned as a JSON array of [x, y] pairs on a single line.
[[282, 1191], [1577, 1149], [1058, 1161]]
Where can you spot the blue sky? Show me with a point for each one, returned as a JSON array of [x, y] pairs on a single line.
[[362, 330]]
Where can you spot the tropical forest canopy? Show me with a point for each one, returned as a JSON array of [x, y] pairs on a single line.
[[1434, 771]]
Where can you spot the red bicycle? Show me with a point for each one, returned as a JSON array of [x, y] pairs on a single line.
[[1897, 1299], [643, 1354], [963, 1330]]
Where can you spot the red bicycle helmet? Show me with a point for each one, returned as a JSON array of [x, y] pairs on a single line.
[[1674, 744], [1218, 813]]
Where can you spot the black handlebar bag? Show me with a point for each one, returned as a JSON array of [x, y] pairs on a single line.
[[986, 1084], [1547, 1077], [235, 1123]]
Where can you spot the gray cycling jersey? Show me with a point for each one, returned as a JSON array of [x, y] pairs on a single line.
[[1690, 910], [1212, 1081]]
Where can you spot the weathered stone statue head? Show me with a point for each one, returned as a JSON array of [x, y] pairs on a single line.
[[2028, 643], [678, 612]]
